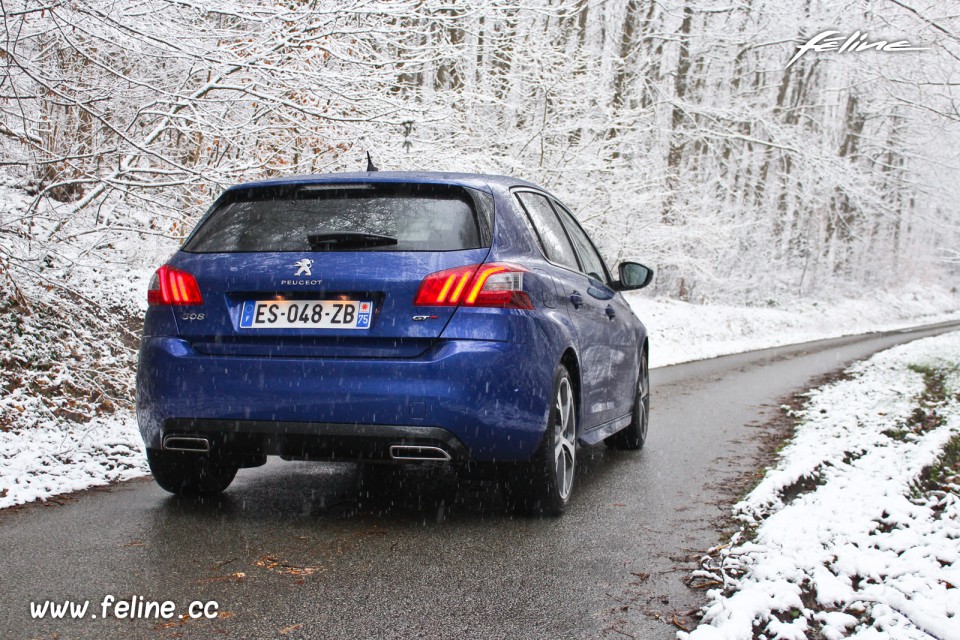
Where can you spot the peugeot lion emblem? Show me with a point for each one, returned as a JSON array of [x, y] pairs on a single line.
[[303, 267]]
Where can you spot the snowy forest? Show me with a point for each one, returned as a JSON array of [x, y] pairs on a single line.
[[675, 129]]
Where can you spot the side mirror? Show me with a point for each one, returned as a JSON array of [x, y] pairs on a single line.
[[634, 275]]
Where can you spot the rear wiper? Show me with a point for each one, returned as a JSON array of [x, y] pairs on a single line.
[[341, 239]]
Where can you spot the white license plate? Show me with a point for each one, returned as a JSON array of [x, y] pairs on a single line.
[[306, 314]]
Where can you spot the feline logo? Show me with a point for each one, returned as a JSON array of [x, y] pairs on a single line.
[[857, 42], [303, 267]]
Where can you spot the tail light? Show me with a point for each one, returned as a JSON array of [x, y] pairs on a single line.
[[171, 286], [496, 284]]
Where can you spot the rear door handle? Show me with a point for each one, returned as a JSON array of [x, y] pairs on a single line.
[[576, 299], [611, 312]]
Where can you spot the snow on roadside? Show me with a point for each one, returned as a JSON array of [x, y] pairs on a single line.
[[847, 543], [681, 332], [68, 288], [41, 462]]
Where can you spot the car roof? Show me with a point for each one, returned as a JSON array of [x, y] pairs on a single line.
[[480, 181]]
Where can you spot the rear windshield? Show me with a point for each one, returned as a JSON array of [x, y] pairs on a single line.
[[364, 217]]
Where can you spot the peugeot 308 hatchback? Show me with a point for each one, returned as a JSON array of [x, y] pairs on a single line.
[[388, 318]]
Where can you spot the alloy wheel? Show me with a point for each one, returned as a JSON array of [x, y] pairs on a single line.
[[565, 439]]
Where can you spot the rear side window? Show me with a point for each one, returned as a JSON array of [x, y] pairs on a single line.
[[553, 240], [589, 256], [362, 217]]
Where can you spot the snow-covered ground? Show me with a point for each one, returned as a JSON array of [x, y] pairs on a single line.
[[38, 463], [844, 537], [680, 332]]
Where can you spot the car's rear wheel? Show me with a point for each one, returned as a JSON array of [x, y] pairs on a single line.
[[190, 474], [544, 485], [634, 435]]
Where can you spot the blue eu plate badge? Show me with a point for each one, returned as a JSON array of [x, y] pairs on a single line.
[[363, 315]]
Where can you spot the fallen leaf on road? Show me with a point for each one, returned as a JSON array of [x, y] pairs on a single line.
[[238, 576], [273, 563], [289, 629]]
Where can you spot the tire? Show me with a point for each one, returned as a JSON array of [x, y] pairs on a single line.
[[634, 436], [544, 485], [190, 474]]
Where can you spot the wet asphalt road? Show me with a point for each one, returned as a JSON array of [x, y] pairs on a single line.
[[304, 550]]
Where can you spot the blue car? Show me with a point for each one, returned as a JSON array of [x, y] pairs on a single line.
[[389, 318]]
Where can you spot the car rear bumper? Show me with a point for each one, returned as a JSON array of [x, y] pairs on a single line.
[[249, 439], [477, 400]]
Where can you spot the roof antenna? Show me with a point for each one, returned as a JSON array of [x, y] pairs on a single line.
[[370, 166]]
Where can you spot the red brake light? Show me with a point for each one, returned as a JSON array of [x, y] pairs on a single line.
[[496, 284], [171, 286]]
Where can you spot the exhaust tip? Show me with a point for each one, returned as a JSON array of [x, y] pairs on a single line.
[[185, 443], [418, 452]]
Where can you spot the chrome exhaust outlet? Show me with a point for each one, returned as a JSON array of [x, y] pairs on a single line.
[[417, 452], [184, 443]]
